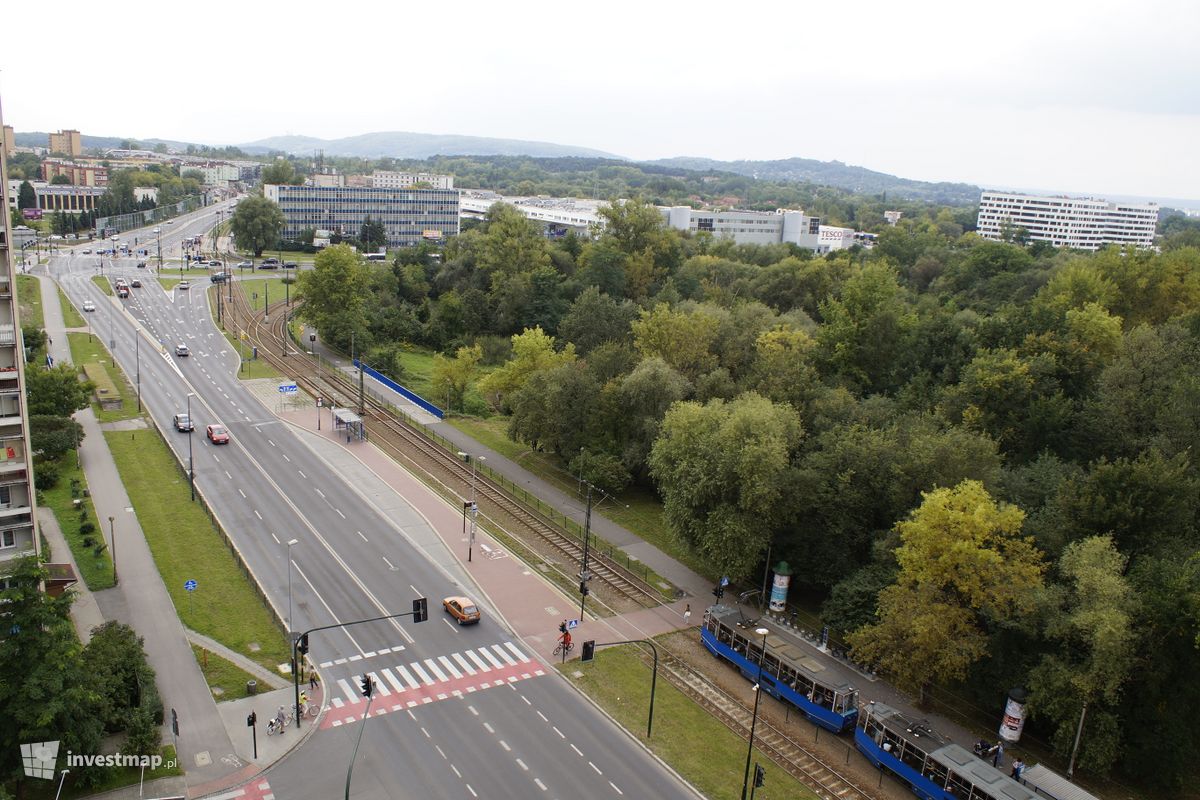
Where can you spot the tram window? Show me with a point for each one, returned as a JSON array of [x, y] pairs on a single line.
[[724, 635], [771, 664], [959, 787], [936, 773], [804, 686], [739, 644], [787, 675]]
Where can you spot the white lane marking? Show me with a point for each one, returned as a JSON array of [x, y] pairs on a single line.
[[539, 783], [273, 536], [391, 566], [556, 730], [407, 678], [453, 670], [379, 685], [592, 764], [360, 535], [433, 667], [516, 651], [257, 514], [504, 655], [339, 512], [393, 680], [463, 663], [522, 765], [479, 661], [302, 475], [243, 494], [216, 458], [472, 791], [422, 674], [440, 752], [615, 789], [318, 491], [543, 716], [504, 744], [270, 443], [473, 710], [456, 772], [427, 736], [578, 752], [488, 655], [350, 694], [450, 625], [285, 457], [489, 727], [227, 475]]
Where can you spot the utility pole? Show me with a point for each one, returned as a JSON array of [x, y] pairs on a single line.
[[584, 574]]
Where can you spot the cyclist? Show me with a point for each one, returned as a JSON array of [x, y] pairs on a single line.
[[565, 640], [303, 703]]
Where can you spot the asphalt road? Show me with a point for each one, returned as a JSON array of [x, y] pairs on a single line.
[[463, 712]]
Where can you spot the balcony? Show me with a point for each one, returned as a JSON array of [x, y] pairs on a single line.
[[8, 335]]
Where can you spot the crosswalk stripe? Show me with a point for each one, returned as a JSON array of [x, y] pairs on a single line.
[[504, 655], [433, 667], [516, 651], [479, 661], [424, 676], [488, 655], [351, 695], [407, 678], [387, 674], [453, 670], [379, 684], [463, 663]]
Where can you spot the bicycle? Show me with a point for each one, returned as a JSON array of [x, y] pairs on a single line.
[[564, 648], [309, 710], [273, 727]]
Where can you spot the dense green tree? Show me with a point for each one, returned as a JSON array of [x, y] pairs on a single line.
[[683, 338], [866, 329], [511, 245], [26, 196], [595, 318], [644, 397], [452, 376], [722, 469], [372, 235], [532, 351], [280, 172], [256, 224], [962, 558], [52, 436], [122, 679], [333, 294], [57, 390]]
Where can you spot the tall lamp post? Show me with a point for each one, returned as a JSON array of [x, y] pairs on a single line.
[[158, 233], [754, 719], [289, 619], [191, 463], [584, 573], [472, 505], [112, 538]]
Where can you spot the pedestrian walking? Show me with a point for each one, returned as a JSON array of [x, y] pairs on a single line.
[[313, 680], [687, 614], [1018, 766], [998, 755]]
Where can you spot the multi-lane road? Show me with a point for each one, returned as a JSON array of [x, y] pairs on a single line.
[[462, 712]]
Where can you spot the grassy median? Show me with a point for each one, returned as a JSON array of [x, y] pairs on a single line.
[[224, 678], [86, 534], [29, 299], [71, 317], [88, 349], [104, 283], [696, 745], [186, 546]]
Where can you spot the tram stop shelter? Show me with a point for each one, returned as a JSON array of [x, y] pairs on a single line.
[[346, 420]]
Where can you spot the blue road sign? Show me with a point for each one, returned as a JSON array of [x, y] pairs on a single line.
[[724, 580], [190, 585], [572, 623], [288, 388]]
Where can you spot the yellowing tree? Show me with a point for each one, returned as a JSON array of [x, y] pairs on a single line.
[[681, 338], [962, 557], [533, 351]]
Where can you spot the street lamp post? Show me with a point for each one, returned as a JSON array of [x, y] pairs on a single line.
[[754, 719], [584, 574], [112, 538], [158, 233], [289, 556], [61, 778], [137, 360], [474, 506], [191, 463]]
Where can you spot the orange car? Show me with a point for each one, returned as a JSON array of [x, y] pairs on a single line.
[[462, 609]]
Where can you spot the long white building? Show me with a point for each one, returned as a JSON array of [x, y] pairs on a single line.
[[749, 227], [387, 179], [1078, 223]]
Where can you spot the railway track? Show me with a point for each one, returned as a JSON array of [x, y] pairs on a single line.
[[412, 447]]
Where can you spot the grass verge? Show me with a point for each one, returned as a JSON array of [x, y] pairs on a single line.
[[259, 290], [29, 300], [186, 546], [696, 745], [169, 283], [104, 284], [87, 349], [226, 679], [94, 568], [71, 317]]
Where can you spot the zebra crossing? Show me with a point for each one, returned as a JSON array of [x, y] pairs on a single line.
[[406, 685]]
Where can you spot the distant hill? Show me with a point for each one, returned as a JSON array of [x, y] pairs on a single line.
[[834, 173], [41, 139], [399, 144]]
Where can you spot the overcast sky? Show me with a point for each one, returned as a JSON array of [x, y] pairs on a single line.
[[1094, 96]]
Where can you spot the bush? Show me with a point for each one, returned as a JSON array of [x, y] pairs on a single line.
[[87, 527], [45, 474]]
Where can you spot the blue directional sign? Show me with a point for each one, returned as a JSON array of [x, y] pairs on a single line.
[[288, 388], [190, 585]]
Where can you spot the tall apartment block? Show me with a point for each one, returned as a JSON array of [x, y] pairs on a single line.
[[68, 142], [1078, 223], [409, 216], [387, 179], [18, 527]]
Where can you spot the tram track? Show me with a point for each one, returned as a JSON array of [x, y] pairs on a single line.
[[417, 451]]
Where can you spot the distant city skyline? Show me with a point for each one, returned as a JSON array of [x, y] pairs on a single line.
[[1071, 97]]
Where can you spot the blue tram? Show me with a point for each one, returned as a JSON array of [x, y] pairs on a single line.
[[935, 768], [787, 674]]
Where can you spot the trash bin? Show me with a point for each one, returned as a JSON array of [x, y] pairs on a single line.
[[251, 687], [255, 351]]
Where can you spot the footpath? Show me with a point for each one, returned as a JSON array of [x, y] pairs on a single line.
[[207, 755]]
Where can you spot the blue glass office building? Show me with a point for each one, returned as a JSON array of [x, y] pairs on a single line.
[[408, 215]]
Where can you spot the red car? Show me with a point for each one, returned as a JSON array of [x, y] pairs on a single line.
[[217, 434]]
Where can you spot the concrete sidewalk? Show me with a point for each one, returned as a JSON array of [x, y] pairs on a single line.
[[141, 600]]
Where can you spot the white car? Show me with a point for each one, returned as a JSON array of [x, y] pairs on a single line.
[[184, 286], [88, 305], [182, 351], [170, 222]]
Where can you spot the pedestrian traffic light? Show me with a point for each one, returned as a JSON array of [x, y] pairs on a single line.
[[302, 646], [760, 775], [718, 591], [583, 588], [250, 720], [589, 650], [367, 686], [420, 609]]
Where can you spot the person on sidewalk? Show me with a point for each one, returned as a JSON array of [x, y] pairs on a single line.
[[280, 719], [998, 755], [313, 680], [687, 614], [1018, 766]]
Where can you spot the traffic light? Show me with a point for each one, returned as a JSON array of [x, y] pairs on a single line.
[[420, 609], [589, 650], [718, 591], [302, 645], [368, 687], [583, 588], [760, 775], [250, 720]]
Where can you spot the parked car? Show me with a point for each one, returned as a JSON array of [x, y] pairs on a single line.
[[245, 264], [217, 434], [290, 265], [183, 423], [182, 351], [135, 283], [88, 305], [269, 263], [184, 286], [214, 263], [462, 609], [218, 277]]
